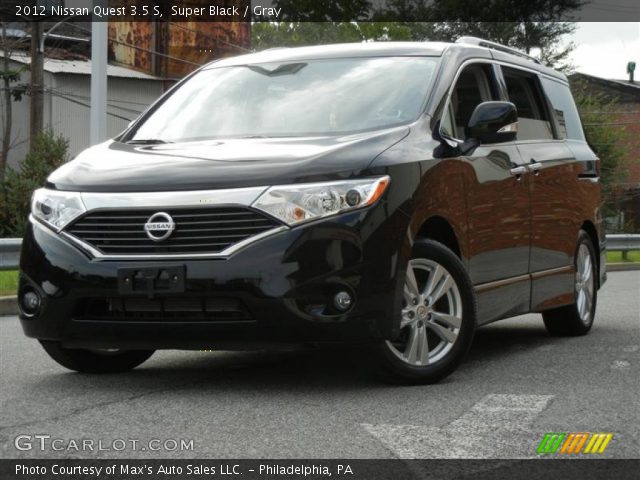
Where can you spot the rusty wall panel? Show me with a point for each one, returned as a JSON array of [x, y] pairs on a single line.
[[180, 46], [196, 43], [131, 44]]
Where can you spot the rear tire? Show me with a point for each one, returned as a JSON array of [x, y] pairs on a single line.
[[577, 319], [95, 361], [438, 318]]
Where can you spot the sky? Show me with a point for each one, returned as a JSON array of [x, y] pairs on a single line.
[[604, 48]]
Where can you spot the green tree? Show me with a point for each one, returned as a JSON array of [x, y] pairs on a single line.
[[324, 11], [11, 91], [525, 36], [48, 153], [534, 24], [296, 34], [608, 139]]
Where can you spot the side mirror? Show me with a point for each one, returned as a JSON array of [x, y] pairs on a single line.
[[493, 122]]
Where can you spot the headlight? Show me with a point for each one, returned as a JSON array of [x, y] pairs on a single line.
[[294, 204], [57, 209]]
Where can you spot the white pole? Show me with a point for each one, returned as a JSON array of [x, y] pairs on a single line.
[[98, 116]]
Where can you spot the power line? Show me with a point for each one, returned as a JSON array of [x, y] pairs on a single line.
[[87, 105], [85, 97], [177, 25], [153, 52], [68, 97], [215, 39]]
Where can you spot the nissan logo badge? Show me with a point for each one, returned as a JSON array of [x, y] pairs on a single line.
[[159, 226]]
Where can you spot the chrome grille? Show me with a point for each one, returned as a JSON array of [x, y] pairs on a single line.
[[197, 230]]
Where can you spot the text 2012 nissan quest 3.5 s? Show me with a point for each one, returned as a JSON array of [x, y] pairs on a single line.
[[391, 195]]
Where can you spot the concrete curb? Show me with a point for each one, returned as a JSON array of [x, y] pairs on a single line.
[[9, 305], [623, 267]]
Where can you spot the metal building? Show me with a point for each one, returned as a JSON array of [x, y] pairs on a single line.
[[66, 101]]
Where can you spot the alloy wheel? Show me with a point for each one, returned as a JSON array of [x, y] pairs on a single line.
[[431, 314], [584, 283]]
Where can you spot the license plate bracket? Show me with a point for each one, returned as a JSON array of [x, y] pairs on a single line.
[[151, 280]]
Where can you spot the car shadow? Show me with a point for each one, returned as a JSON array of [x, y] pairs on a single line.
[[322, 369], [500, 340], [327, 368]]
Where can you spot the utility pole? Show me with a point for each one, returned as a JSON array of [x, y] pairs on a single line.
[[37, 82], [98, 116], [7, 113]]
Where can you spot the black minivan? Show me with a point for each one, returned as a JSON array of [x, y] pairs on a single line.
[[390, 195]]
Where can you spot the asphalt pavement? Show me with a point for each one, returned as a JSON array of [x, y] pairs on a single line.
[[517, 384]]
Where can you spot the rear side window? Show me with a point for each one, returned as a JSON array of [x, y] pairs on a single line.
[[564, 109], [525, 93]]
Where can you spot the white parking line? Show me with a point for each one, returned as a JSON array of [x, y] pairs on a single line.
[[498, 426]]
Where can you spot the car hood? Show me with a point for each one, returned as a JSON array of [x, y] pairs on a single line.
[[224, 163]]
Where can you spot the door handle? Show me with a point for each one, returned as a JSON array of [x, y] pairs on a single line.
[[535, 167], [518, 172]]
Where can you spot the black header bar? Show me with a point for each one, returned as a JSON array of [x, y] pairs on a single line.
[[321, 10]]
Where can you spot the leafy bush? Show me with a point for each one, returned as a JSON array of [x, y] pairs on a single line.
[[48, 153]]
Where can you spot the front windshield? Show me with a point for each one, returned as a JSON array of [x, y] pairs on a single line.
[[321, 97]]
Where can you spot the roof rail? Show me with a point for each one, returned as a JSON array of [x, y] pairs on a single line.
[[496, 46]]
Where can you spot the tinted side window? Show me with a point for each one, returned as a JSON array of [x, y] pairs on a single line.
[[564, 109], [524, 92]]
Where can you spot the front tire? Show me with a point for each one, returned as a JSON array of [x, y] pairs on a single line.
[[438, 318], [95, 361], [577, 319]]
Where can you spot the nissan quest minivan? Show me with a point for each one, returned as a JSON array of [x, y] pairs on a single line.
[[394, 196]]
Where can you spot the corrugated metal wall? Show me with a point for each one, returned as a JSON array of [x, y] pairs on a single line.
[[20, 116], [66, 109], [126, 99], [180, 47]]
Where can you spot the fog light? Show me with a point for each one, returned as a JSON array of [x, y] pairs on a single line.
[[342, 301], [30, 302]]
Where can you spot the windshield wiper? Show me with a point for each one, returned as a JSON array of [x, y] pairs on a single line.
[[147, 141]]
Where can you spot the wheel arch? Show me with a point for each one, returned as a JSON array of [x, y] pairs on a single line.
[[591, 230], [440, 229]]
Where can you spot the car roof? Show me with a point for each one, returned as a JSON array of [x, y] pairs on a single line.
[[375, 49], [346, 50]]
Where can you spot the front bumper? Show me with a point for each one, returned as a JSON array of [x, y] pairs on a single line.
[[280, 283]]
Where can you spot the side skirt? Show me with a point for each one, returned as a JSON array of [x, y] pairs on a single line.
[[523, 294]]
